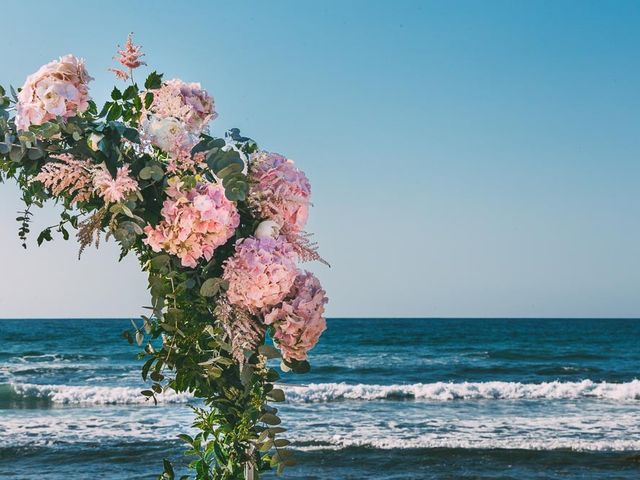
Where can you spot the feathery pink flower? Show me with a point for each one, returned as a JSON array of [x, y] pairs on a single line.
[[67, 176], [114, 190], [130, 56]]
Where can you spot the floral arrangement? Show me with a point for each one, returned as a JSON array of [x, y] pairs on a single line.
[[217, 223]]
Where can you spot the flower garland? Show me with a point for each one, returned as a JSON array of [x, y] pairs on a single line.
[[215, 222]]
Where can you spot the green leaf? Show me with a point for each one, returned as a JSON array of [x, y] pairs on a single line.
[[105, 109], [114, 112], [153, 81], [147, 393], [45, 235], [268, 351], [161, 263], [35, 153], [64, 232], [168, 469], [277, 395], [131, 134], [147, 365], [148, 99], [299, 366], [157, 173], [186, 438], [130, 92], [145, 173], [270, 419], [116, 94], [246, 375], [16, 154], [211, 287]]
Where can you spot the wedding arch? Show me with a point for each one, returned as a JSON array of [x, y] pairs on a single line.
[[218, 225]]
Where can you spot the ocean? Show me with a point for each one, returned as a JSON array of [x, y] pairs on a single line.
[[388, 399]]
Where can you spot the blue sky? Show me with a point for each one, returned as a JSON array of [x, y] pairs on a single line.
[[467, 158]]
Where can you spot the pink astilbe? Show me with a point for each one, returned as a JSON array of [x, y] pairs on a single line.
[[67, 176], [298, 321], [279, 191], [120, 74], [194, 223], [114, 190], [130, 56], [57, 89], [260, 273]]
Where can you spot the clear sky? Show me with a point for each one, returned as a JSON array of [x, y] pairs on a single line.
[[467, 158]]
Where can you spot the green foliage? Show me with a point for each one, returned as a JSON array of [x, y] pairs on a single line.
[[183, 343]]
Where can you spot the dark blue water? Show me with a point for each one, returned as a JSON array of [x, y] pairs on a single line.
[[387, 399]]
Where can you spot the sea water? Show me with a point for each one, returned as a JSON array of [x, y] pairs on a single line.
[[386, 399]]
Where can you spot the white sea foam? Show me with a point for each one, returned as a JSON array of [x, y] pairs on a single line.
[[442, 391], [338, 392], [338, 442], [90, 395]]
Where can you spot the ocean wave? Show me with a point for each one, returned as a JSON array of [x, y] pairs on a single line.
[[339, 442], [340, 392], [81, 395], [442, 391]]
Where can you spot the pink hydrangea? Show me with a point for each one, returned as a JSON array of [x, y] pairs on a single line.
[[298, 321], [194, 223], [260, 273], [185, 102], [114, 190], [57, 89], [279, 191]]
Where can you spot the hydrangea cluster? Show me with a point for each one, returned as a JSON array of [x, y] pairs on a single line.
[[57, 89], [279, 191], [194, 222], [260, 273], [298, 321], [179, 113]]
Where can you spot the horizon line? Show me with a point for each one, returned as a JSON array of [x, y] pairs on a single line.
[[364, 318]]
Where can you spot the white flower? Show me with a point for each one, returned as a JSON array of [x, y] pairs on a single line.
[[165, 133], [93, 141], [267, 229]]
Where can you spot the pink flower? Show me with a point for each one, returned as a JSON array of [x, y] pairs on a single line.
[[260, 273], [179, 113], [130, 56], [57, 89], [67, 176], [186, 102], [114, 190], [279, 191], [298, 321], [194, 223], [120, 74]]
